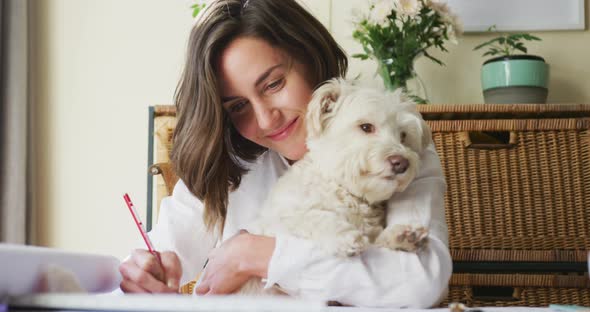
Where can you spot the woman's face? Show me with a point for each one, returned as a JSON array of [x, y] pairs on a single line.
[[265, 92]]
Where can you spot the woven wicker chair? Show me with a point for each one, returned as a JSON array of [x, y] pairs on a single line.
[[168, 174]]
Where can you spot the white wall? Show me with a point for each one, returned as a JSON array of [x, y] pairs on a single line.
[[98, 65]]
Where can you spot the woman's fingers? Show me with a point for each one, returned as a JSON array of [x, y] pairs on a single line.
[[134, 274], [202, 289], [143, 272], [148, 262], [172, 268], [130, 287]]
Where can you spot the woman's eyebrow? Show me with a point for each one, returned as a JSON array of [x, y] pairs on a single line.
[[266, 74], [229, 98]]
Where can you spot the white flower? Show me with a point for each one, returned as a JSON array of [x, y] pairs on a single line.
[[408, 7], [452, 36], [381, 9], [441, 7], [357, 15], [454, 26], [453, 32], [457, 24]]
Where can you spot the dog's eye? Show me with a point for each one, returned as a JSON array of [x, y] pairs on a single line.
[[367, 128], [403, 136]]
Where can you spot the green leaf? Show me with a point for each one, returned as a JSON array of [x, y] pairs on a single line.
[[439, 62], [486, 43], [197, 7], [361, 56], [531, 37], [418, 100]]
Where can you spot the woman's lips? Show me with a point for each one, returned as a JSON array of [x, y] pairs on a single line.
[[285, 132]]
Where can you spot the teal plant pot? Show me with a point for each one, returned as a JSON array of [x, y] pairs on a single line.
[[515, 79]]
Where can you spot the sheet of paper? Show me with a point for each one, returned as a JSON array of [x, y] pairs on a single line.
[[22, 269]]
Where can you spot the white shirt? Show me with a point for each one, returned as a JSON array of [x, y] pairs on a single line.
[[378, 277]]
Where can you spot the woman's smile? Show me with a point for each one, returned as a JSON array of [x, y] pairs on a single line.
[[285, 131]]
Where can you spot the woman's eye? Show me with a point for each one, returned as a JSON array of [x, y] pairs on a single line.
[[237, 107], [367, 128], [275, 84]]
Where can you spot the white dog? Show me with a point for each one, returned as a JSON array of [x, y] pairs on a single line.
[[364, 145]]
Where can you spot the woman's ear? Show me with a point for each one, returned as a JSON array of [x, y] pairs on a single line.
[[322, 107]]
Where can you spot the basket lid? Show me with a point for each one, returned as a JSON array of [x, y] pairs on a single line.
[[503, 111]]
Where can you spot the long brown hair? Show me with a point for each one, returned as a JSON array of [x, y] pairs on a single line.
[[207, 148]]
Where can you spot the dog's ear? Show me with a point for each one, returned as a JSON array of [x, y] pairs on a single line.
[[426, 132], [421, 131], [420, 128], [322, 106]]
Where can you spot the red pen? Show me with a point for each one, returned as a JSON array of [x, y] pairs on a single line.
[[139, 224]]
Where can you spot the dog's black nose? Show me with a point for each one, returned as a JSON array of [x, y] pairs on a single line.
[[399, 164]]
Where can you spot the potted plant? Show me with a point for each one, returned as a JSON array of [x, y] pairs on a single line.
[[509, 77]]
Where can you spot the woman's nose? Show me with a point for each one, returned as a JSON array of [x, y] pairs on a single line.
[[267, 116]]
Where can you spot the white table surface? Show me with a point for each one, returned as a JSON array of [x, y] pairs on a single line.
[[168, 303]]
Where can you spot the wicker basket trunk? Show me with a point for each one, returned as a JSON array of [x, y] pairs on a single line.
[[503, 290], [518, 193]]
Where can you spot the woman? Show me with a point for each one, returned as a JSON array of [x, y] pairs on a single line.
[[251, 69]]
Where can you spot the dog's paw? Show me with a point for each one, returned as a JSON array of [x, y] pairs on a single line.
[[403, 237]]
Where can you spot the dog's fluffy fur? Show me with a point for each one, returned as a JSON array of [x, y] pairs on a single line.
[[364, 145]]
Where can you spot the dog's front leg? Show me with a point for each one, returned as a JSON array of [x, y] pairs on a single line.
[[341, 238], [351, 243], [332, 232]]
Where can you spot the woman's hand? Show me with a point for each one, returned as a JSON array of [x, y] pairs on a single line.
[[142, 272], [233, 263]]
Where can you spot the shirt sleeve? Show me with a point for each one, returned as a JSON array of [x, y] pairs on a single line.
[[379, 277], [180, 228]]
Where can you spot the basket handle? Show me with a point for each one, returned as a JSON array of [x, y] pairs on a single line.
[[496, 293], [485, 140]]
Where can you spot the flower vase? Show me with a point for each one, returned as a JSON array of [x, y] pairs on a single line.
[[411, 83], [416, 89]]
